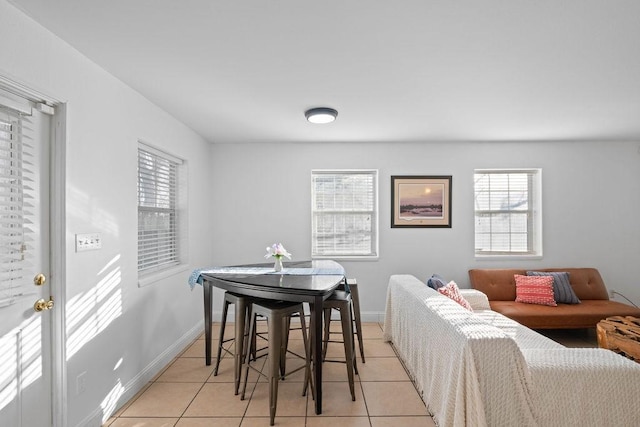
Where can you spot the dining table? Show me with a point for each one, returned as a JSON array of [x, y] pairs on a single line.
[[300, 281]]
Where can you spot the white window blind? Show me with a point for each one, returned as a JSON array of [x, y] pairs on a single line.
[[344, 208], [158, 229], [508, 212], [16, 203]]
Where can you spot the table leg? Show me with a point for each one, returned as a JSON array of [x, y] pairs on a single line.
[[316, 350], [206, 286], [241, 313]]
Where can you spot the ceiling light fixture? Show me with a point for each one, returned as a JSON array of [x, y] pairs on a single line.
[[321, 115]]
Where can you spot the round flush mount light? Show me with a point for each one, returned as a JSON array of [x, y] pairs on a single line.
[[321, 115]]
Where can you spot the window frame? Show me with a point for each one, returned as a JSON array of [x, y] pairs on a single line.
[[374, 212], [533, 215], [178, 262]]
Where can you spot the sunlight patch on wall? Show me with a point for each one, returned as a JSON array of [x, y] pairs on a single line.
[[109, 404], [90, 312]]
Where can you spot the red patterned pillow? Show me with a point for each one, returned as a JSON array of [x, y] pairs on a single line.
[[535, 290], [451, 290]]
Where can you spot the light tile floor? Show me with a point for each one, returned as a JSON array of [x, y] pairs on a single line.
[[186, 394]]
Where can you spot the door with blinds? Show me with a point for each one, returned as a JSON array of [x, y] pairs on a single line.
[[26, 303]]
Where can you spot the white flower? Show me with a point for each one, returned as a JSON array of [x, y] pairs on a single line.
[[277, 251]]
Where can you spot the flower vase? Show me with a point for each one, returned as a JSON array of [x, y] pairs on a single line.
[[277, 266]]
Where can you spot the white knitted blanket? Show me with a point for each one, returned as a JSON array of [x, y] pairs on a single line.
[[483, 369], [584, 387], [469, 372]]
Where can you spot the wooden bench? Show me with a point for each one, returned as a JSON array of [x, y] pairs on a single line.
[[620, 334]]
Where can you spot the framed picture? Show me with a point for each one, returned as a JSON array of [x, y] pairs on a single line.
[[421, 201]]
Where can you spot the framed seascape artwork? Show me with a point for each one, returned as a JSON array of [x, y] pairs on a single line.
[[421, 201]]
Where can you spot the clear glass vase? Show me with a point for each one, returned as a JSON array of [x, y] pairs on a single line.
[[277, 266]]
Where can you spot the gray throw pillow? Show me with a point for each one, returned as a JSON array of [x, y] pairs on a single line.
[[562, 290], [436, 281]]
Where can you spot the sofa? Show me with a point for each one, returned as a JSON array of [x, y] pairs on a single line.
[[481, 368], [500, 287]]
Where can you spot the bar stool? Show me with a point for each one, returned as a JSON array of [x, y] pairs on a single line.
[[277, 314], [355, 299], [241, 303], [341, 301]]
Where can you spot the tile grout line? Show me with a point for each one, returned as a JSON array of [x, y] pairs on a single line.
[[364, 399]]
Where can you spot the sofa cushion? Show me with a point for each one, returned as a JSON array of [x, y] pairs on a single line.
[[562, 291], [535, 290], [587, 314], [451, 290], [436, 281]]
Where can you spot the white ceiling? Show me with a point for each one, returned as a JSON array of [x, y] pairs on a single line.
[[417, 70]]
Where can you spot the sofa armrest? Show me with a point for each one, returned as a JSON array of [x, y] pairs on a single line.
[[606, 383], [561, 362], [478, 300]]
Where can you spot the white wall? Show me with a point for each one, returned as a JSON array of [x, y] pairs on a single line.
[[591, 200], [109, 318]]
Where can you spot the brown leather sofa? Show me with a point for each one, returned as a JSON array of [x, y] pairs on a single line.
[[500, 287]]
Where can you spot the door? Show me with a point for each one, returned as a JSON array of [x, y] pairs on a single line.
[[25, 334]]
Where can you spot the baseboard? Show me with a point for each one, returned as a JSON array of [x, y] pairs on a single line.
[[98, 416], [372, 316]]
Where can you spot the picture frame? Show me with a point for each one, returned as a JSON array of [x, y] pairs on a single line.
[[421, 201]]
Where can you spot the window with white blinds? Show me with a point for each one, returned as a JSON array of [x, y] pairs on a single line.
[[344, 209], [158, 210], [508, 219], [16, 204]]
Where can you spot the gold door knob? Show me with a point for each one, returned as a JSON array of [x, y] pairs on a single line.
[[39, 279], [42, 305]]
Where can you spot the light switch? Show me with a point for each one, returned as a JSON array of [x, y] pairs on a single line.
[[88, 242]]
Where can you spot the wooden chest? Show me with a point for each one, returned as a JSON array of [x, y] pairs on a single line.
[[620, 334]]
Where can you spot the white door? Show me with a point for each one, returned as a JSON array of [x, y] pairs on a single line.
[[25, 334]]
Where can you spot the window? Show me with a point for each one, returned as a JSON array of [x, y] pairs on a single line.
[[159, 229], [344, 209], [16, 204], [508, 219]]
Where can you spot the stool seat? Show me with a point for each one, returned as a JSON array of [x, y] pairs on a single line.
[[339, 295]]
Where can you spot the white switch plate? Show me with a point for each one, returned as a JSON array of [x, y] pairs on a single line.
[[88, 242]]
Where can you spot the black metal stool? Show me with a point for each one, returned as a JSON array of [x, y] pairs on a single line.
[[357, 322], [341, 301], [241, 303], [277, 314]]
